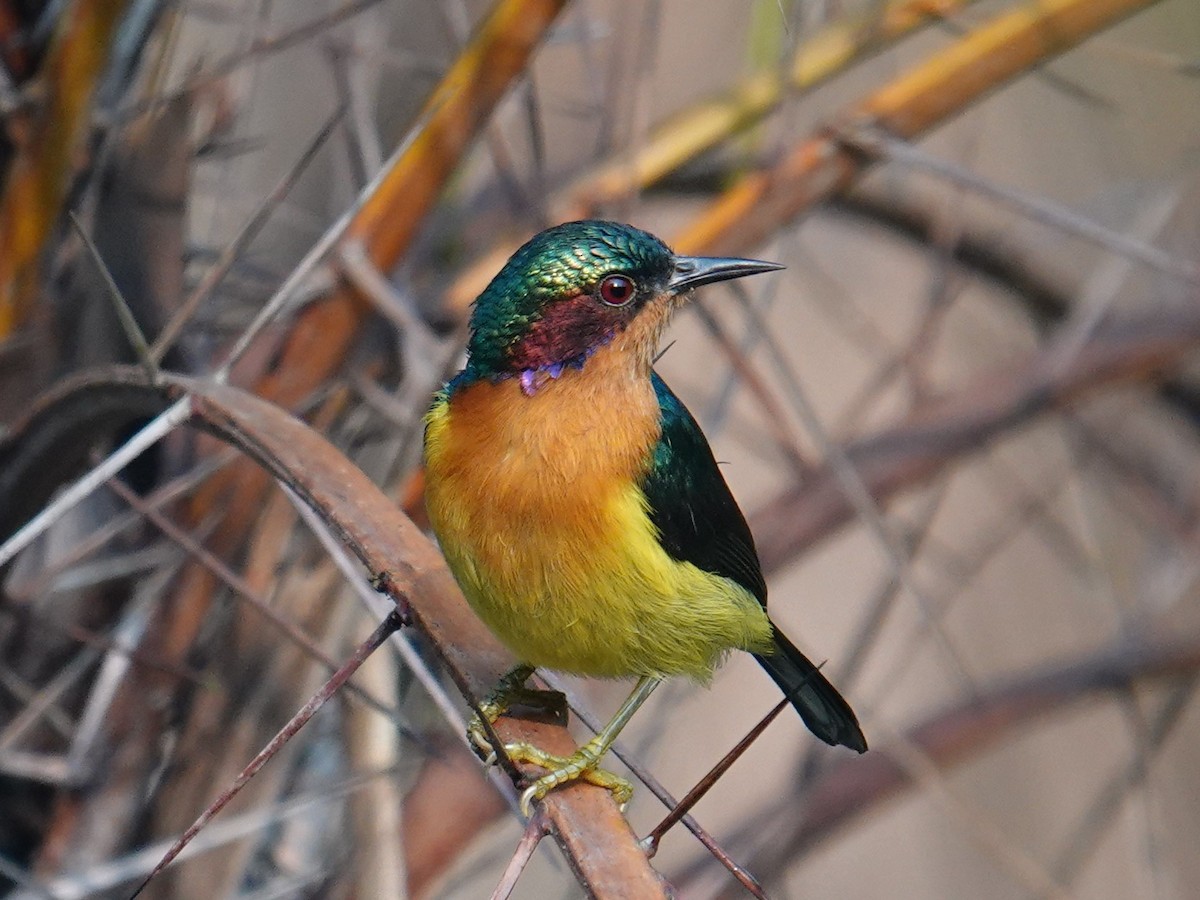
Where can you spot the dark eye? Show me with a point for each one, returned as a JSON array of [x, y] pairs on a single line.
[[617, 290]]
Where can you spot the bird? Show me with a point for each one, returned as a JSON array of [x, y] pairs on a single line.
[[577, 501]]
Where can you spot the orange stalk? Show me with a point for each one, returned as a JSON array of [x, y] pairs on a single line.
[[455, 113], [458, 109], [909, 106], [40, 174], [705, 125]]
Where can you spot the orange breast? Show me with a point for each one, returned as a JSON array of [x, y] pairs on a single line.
[[575, 438]]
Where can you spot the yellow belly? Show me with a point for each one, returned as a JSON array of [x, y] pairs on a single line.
[[534, 500]]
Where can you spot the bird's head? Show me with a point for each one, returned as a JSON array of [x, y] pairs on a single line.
[[575, 288]]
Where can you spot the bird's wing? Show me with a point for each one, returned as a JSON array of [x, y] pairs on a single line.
[[699, 522], [690, 504]]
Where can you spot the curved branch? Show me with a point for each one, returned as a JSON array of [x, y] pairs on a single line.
[[400, 561], [51, 442]]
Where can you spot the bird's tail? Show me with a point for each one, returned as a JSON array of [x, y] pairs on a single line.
[[821, 707]]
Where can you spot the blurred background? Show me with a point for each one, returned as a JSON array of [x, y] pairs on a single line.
[[964, 425]]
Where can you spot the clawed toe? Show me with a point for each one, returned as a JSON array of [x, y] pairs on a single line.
[[581, 765]]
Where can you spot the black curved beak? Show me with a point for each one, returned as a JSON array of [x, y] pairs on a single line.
[[693, 271]]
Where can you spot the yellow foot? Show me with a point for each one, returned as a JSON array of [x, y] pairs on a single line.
[[494, 706], [580, 765], [510, 691]]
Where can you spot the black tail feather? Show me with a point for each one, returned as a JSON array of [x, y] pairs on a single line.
[[821, 707]]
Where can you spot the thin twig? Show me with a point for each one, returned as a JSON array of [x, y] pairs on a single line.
[[112, 873], [129, 322], [234, 249], [256, 51], [652, 784], [317, 253], [246, 591], [1109, 800], [651, 841], [47, 696], [535, 830], [181, 486], [858, 495], [1022, 867], [391, 623], [25, 693], [378, 605], [875, 142], [150, 434]]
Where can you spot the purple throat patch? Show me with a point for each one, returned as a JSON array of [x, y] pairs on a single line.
[[532, 379]]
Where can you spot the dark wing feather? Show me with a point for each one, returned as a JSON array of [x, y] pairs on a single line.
[[698, 520]]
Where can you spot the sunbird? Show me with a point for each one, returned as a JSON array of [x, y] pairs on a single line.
[[578, 503]]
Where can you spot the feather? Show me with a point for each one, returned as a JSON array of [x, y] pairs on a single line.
[[699, 522]]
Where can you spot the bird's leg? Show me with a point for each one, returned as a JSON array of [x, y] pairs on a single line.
[[582, 763], [509, 691], [494, 706]]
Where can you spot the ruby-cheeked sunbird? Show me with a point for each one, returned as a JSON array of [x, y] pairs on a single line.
[[579, 505]]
